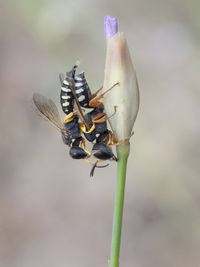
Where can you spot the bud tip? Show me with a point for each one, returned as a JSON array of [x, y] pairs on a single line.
[[110, 26]]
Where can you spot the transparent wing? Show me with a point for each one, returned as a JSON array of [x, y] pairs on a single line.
[[48, 109]]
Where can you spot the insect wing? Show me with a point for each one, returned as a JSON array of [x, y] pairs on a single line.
[[48, 109]]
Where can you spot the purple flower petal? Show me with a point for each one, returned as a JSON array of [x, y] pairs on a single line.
[[110, 26]]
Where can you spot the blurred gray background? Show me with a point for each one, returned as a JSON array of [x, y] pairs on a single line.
[[51, 212]]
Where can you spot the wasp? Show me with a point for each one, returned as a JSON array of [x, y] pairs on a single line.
[[70, 128], [94, 126]]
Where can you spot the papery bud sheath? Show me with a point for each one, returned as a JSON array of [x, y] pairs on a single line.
[[125, 96]]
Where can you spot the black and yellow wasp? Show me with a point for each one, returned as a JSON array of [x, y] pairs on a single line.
[[74, 89], [94, 127]]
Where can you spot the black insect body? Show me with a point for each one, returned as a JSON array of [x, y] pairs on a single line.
[[74, 138], [74, 89], [66, 95], [82, 90], [98, 129], [100, 150], [94, 131]]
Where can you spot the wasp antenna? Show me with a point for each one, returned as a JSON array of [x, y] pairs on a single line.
[[92, 171], [96, 166], [103, 166]]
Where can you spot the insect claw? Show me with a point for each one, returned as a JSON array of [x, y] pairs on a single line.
[[75, 97]]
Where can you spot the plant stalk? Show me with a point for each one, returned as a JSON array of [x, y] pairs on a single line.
[[122, 154]]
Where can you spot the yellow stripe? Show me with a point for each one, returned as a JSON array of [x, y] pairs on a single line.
[[65, 104], [69, 117], [65, 97], [65, 89], [66, 82], [84, 130]]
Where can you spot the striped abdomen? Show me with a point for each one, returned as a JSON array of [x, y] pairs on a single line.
[[66, 96], [82, 90]]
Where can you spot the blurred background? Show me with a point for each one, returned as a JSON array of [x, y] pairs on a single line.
[[51, 212]]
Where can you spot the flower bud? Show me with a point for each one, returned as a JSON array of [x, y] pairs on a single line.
[[119, 68]]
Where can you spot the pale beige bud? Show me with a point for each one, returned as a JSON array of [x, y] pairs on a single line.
[[125, 96]]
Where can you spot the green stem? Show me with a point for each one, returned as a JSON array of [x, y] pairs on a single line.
[[122, 154]]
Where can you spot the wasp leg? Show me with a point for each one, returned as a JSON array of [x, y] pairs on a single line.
[[94, 102], [112, 141], [96, 93], [101, 117], [83, 147]]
